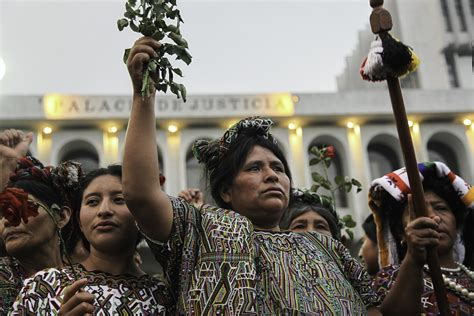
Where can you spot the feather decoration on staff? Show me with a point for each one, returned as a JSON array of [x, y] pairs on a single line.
[[388, 57]]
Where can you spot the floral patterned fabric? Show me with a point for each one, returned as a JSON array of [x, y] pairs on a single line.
[[11, 282], [114, 295], [385, 279], [217, 263]]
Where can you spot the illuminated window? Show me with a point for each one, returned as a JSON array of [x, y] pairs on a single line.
[[82, 152]]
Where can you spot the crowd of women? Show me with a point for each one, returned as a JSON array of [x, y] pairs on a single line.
[[264, 247]]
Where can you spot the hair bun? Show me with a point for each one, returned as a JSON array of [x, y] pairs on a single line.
[[67, 175], [206, 151]]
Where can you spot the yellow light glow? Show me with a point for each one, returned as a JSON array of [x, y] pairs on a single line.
[[47, 130], [172, 128], [467, 122], [112, 129], [410, 123], [350, 125], [284, 104], [296, 99], [292, 126]]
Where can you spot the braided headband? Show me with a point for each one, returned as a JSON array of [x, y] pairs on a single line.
[[211, 152], [64, 178]]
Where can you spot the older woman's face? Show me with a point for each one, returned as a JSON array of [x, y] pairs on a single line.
[[310, 221], [447, 228], [260, 190], [37, 234]]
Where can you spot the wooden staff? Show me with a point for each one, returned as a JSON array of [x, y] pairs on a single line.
[[381, 23]]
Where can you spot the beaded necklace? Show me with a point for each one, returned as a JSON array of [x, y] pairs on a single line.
[[453, 286]]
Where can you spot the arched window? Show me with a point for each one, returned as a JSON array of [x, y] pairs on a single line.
[[439, 150], [195, 177], [82, 152], [335, 169], [382, 158]]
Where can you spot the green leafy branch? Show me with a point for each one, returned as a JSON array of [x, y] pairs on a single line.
[[159, 19], [323, 156]]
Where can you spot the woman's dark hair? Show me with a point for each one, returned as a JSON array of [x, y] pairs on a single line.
[[444, 189], [298, 208], [49, 196], [112, 170], [370, 228], [222, 176]]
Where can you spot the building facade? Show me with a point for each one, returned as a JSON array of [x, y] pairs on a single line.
[[359, 124]]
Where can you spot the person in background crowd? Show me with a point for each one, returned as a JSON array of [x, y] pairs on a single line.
[[369, 250], [35, 208], [193, 196], [109, 280], [451, 200], [309, 211], [234, 259]]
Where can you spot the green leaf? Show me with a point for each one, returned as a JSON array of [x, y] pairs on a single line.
[[315, 151], [355, 182], [183, 55], [182, 88], [347, 187], [178, 39], [350, 233], [315, 187], [170, 74], [147, 29], [125, 55], [327, 162], [317, 177], [152, 66], [339, 180], [134, 27], [122, 23], [158, 35], [314, 161], [132, 2], [130, 10], [174, 88], [177, 71], [161, 87]]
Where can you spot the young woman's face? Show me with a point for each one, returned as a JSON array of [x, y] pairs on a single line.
[[105, 220], [39, 233], [310, 221], [260, 190], [447, 228]]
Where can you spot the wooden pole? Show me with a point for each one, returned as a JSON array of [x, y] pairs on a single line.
[[416, 188], [381, 23]]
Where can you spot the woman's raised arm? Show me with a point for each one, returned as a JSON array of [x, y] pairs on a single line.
[[141, 175]]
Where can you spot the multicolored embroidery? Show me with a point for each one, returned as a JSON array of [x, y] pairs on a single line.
[[217, 264], [11, 282], [114, 295]]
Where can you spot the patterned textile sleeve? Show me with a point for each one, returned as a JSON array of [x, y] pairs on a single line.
[[38, 295], [384, 280], [354, 271], [181, 247]]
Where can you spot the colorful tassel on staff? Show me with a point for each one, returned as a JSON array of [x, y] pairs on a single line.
[[388, 57]]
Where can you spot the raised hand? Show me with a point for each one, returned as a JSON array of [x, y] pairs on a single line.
[[14, 143], [77, 302], [193, 196], [140, 54]]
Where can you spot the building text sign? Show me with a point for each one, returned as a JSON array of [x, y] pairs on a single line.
[[97, 107]]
